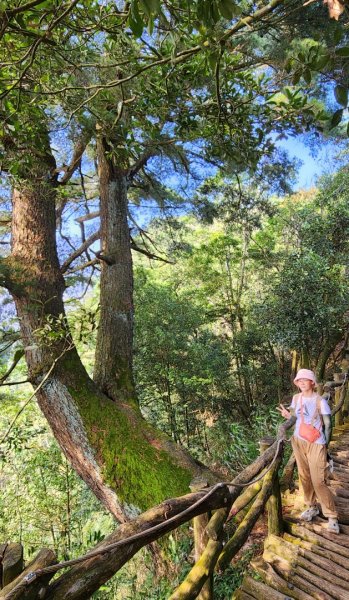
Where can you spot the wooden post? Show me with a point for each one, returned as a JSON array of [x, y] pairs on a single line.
[[11, 562], [35, 590], [273, 505], [346, 406], [345, 371], [201, 538], [338, 418], [286, 482]]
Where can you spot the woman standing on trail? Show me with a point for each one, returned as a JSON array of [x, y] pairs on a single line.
[[312, 434]]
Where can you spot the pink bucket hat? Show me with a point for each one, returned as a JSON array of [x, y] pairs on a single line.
[[305, 374]]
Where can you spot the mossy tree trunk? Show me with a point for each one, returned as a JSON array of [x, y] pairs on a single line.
[[121, 458]]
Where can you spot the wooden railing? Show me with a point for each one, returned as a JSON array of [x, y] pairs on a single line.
[[243, 499]]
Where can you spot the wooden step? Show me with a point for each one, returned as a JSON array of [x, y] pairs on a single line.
[[261, 591]]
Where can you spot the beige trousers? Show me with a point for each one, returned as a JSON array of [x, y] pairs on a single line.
[[312, 465]]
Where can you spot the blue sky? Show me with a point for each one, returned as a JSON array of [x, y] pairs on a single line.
[[316, 162]]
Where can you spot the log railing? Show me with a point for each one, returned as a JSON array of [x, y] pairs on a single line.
[[243, 499]]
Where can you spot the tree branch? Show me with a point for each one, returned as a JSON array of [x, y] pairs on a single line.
[[15, 382], [149, 254], [178, 59], [96, 568], [79, 150], [88, 217], [17, 357], [141, 162], [6, 280], [33, 49], [14, 11], [89, 263], [90, 240]]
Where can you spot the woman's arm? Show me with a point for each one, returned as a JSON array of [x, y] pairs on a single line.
[[327, 428]]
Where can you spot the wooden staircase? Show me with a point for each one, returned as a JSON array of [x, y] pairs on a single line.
[[307, 562]]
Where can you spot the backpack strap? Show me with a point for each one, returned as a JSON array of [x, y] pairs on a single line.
[[318, 406], [317, 411], [300, 398]]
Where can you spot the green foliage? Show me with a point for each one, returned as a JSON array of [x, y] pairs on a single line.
[[185, 382], [299, 311], [45, 504], [234, 574], [203, 13], [244, 438], [306, 298]]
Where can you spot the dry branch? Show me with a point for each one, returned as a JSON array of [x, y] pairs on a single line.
[[90, 240]]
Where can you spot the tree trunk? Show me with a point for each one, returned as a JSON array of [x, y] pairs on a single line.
[[38, 293], [109, 445], [326, 351], [113, 358]]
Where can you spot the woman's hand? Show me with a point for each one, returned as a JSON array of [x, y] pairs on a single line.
[[284, 412]]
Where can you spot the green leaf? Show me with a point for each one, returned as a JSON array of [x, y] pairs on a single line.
[[337, 36], [136, 26], [151, 7], [344, 51], [288, 66], [296, 77], [228, 9], [20, 20], [135, 20], [207, 12], [151, 25], [213, 59], [341, 95], [348, 129], [214, 14], [320, 62], [307, 75], [336, 118]]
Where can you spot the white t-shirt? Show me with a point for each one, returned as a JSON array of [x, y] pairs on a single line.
[[309, 408]]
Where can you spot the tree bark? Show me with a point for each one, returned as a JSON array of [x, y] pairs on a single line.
[[11, 562], [326, 351], [113, 357]]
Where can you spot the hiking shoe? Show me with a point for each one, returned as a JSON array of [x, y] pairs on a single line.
[[310, 513], [332, 525]]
